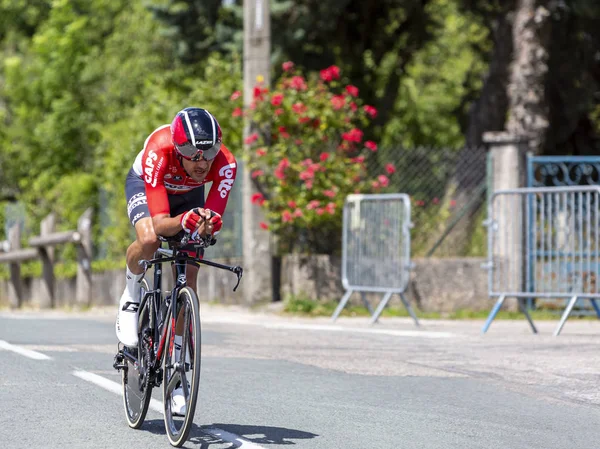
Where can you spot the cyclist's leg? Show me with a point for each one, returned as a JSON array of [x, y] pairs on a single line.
[[143, 247]]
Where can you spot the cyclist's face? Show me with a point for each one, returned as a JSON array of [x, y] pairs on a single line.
[[197, 170]]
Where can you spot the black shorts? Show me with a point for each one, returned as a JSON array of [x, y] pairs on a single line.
[[137, 203]]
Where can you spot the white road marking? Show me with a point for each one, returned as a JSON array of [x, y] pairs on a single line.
[[332, 328], [25, 352], [237, 441], [157, 406], [113, 387]]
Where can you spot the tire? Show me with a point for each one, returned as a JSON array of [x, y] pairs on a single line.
[[178, 428], [137, 393]]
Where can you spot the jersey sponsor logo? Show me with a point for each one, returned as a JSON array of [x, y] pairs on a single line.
[[152, 174], [136, 200], [137, 217], [226, 183], [203, 142], [170, 186], [132, 206]]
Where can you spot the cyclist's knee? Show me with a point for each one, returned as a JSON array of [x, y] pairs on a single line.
[[148, 240]]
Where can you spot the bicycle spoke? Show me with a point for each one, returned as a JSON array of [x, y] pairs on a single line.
[[173, 381]]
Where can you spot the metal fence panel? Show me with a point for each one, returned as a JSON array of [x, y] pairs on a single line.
[[544, 243], [376, 247], [376, 242]]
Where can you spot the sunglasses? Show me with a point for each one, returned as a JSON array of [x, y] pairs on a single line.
[[191, 153]]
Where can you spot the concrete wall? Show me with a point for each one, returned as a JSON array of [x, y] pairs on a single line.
[[437, 285]]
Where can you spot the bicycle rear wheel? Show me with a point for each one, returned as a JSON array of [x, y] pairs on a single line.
[[137, 390], [185, 372]]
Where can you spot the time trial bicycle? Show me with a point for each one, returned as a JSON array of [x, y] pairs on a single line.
[[155, 362]]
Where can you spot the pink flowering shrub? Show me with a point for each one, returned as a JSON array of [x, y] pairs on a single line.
[[306, 154]]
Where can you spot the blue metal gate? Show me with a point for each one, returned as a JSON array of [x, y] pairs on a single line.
[[558, 171]]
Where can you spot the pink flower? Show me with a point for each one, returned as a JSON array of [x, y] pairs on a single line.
[[308, 184], [299, 108], [320, 211], [304, 119], [251, 138], [287, 66], [261, 152], [263, 225], [256, 173], [330, 208], [452, 203], [237, 112], [298, 83], [313, 204], [298, 142], [371, 145], [234, 96], [286, 216], [329, 193], [258, 93], [436, 200], [354, 135], [338, 102], [352, 90], [353, 106], [370, 110], [383, 180], [283, 132], [298, 213], [291, 204], [284, 163], [390, 168], [278, 111], [256, 198], [358, 159], [330, 73], [324, 156], [420, 203], [306, 175], [375, 184], [277, 99]]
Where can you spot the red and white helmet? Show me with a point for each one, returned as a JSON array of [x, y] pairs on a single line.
[[196, 134]]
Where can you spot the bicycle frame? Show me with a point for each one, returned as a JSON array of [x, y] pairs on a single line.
[[179, 259]]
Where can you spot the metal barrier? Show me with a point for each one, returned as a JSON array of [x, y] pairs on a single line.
[[544, 243], [376, 249]]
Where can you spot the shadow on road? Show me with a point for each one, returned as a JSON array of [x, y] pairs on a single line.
[[260, 435]]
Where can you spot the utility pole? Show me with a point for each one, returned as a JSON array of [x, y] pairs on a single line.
[[257, 55]]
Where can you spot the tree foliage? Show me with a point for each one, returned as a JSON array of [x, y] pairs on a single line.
[[83, 83]]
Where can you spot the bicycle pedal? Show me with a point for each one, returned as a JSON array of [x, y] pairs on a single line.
[[118, 361]]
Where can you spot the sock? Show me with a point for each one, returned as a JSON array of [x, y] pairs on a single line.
[[133, 284]]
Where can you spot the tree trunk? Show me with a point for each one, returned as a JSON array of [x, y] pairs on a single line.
[[528, 108]]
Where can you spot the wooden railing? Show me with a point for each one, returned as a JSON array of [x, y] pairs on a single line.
[[42, 247]]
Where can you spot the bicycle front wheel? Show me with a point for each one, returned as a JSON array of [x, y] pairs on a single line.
[[182, 368], [137, 389]]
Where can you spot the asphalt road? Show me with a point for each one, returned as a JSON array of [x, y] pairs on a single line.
[[272, 382]]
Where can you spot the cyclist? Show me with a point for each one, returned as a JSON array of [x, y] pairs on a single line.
[[165, 195]]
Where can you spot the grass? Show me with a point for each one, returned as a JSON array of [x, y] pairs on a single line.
[[303, 306]]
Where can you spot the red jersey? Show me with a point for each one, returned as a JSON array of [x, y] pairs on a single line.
[[158, 165]]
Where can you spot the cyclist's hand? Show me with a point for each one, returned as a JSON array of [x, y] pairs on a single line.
[[191, 220], [216, 223]]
